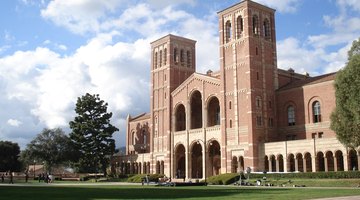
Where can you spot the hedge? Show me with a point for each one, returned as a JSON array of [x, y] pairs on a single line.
[[225, 179], [139, 177]]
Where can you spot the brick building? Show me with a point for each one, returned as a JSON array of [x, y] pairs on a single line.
[[247, 114]]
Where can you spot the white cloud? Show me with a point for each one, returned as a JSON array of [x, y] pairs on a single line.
[[79, 16], [284, 6], [14, 122]]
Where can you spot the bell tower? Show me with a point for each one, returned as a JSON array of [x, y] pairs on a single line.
[[172, 62], [249, 79]]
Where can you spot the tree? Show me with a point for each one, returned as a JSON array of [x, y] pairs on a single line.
[[345, 119], [51, 147], [92, 134], [9, 156]]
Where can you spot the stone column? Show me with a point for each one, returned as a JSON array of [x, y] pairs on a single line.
[[326, 164], [204, 162], [304, 165], [358, 160], [313, 163], [187, 164], [335, 164], [277, 165], [296, 164], [270, 165], [346, 162]]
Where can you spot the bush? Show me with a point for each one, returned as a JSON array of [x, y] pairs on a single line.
[[139, 177], [224, 179]]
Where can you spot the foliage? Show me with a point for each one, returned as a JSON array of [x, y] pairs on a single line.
[[139, 177], [9, 156], [230, 178], [345, 120], [92, 134], [51, 147]]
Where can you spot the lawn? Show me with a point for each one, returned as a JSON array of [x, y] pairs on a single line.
[[98, 191]]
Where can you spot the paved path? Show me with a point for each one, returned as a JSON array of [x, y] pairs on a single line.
[[341, 198]]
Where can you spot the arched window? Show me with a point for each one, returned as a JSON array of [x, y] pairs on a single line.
[[160, 60], [230, 105], [188, 58], [165, 56], [258, 102], [291, 115], [176, 56], [144, 137], [255, 24], [133, 138], [155, 59], [228, 31], [266, 28], [182, 58], [239, 26], [230, 123], [316, 112]]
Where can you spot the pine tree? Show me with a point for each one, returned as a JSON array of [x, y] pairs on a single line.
[[92, 134]]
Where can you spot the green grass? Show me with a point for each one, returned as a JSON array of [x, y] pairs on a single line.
[[98, 191]]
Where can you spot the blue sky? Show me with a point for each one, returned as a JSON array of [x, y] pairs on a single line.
[[53, 51]]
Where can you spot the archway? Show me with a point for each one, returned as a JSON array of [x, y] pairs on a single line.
[[330, 161], [308, 162], [180, 121], [214, 158], [291, 163], [242, 164], [353, 161], [213, 112], [196, 160], [180, 161], [266, 163], [196, 110], [339, 161], [299, 159], [320, 167], [273, 163], [234, 164], [157, 167], [281, 163]]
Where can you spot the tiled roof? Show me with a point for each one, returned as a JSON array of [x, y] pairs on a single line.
[[309, 81]]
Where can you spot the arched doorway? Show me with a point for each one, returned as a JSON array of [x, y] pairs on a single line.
[[214, 158], [196, 160], [180, 161], [339, 161], [213, 112], [320, 167], [330, 161], [241, 163], [353, 161], [234, 164], [291, 159], [308, 162], [180, 121], [157, 167], [266, 163], [273, 163], [281, 163], [196, 110], [299, 159]]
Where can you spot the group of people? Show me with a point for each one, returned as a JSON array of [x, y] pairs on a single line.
[[47, 178], [10, 175]]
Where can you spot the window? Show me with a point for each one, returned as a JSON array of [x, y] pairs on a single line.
[[257, 75], [258, 121], [228, 31], [258, 102], [144, 137], [271, 123], [270, 106], [266, 28], [182, 59], [230, 123], [240, 26], [160, 60], [133, 138], [316, 112], [188, 58], [155, 60], [255, 25], [165, 56], [321, 134], [313, 135], [176, 56], [230, 105], [291, 115], [165, 77]]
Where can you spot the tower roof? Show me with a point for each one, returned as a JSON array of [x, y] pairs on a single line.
[[249, 2]]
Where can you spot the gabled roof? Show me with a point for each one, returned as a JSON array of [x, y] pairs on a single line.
[[140, 117], [198, 76], [309, 81]]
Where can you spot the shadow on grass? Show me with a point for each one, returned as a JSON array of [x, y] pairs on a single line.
[[127, 192]]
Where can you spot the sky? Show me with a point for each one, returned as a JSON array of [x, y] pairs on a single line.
[[54, 51]]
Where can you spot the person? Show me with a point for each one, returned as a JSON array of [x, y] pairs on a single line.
[[39, 177], [26, 177], [2, 178], [147, 179], [11, 178]]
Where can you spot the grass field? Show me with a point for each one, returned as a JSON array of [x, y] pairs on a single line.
[[98, 191]]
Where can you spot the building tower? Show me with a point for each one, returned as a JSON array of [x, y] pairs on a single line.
[[249, 79], [172, 62]]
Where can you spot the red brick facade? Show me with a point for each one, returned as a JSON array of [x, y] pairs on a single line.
[[248, 114]]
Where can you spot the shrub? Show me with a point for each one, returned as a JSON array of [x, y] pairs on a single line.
[[139, 177]]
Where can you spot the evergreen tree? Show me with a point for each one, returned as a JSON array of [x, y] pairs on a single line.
[[9, 156], [345, 120], [92, 134]]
